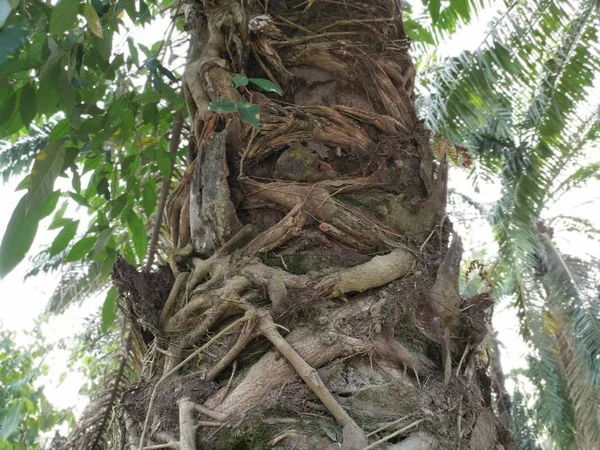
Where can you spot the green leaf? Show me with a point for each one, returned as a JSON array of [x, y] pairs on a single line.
[[127, 123], [240, 80], [137, 232], [109, 309], [267, 85], [222, 106], [133, 51], [46, 167], [434, 10], [462, 8], [8, 109], [417, 32], [93, 21], [167, 73], [150, 113], [64, 237], [81, 248], [144, 12], [163, 161], [11, 40], [61, 129], [156, 82], [149, 196], [47, 98], [18, 65], [152, 64], [11, 419], [18, 237], [249, 112], [27, 104], [102, 242], [64, 16]]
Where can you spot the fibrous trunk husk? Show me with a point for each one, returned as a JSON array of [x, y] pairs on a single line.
[[319, 304]]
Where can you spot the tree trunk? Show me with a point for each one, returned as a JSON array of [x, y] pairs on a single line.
[[315, 299]]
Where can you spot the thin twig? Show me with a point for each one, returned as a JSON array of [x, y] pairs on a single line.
[[164, 190], [394, 434]]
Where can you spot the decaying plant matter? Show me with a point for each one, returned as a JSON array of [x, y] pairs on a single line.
[[312, 297]]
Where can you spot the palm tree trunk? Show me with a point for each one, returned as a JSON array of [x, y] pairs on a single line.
[[321, 304]]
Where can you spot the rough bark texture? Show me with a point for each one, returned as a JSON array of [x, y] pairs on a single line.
[[316, 298]]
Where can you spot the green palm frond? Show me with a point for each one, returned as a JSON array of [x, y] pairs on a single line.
[[93, 429], [78, 282], [16, 157], [523, 426]]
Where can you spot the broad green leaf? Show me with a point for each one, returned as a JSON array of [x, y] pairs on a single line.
[[64, 237], [11, 419], [81, 248], [61, 129], [240, 80], [109, 309], [18, 65], [117, 205], [222, 106], [127, 124], [8, 108], [417, 32], [64, 16], [129, 6], [149, 197], [434, 10], [249, 112], [18, 237], [27, 104], [462, 8], [11, 40], [128, 254], [157, 82], [46, 168], [93, 21], [47, 97], [167, 72], [102, 242], [133, 50], [137, 232], [152, 64], [49, 205], [144, 12], [163, 161], [267, 85], [150, 113]]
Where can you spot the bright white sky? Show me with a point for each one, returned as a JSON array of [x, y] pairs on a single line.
[[23, 302]]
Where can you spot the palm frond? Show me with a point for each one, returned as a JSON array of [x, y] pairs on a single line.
[[523, 425], [93, 431], [78, 282], [16, 157]]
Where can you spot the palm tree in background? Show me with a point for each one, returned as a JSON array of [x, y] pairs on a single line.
[[526, 104]]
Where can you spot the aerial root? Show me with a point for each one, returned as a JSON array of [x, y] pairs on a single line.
[[185, 251], [247, 334], [175, 369], [415, 444], [379, 271], [311, 378], [171, 300], [187, 427]]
